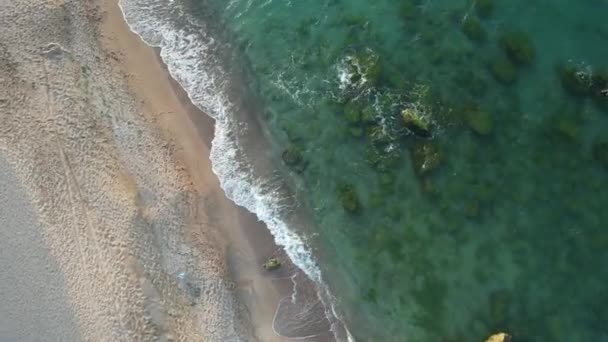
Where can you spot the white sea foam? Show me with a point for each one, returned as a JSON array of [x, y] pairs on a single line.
[[191, 58]]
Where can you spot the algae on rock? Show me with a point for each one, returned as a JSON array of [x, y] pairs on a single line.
[[518, 46], [272, 264], [349, 198], [291, 156], [426, 157], [568, 127], [368, 115], [504, 71], [499, 337], [352, 113], [479, 121], [408, 10], [583, 80], [356, 132], [417, 114], [362, 69], [473, 29], [382, 158], [416, 122], [484, 8], [575, 80]]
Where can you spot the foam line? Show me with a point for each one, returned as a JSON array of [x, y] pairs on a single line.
[[191, 57]]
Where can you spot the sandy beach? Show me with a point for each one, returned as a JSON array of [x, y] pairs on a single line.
[[32, 287], [114, 202]]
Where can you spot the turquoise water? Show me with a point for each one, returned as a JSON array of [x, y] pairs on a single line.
[[454, 155]]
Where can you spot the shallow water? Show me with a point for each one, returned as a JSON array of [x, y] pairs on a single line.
[[490, 217]]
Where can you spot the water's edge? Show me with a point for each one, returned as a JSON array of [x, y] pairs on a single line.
[[239, 179]]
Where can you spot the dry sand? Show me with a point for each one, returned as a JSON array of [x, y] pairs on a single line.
[[114, 203], [32, 289]]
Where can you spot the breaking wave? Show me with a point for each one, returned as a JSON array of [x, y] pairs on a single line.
[[196, 59]]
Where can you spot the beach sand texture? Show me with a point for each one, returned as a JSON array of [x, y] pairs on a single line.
[[114, 204], [32, 290], [117, 208]]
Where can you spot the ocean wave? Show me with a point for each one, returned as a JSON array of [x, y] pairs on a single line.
[[193, 58]]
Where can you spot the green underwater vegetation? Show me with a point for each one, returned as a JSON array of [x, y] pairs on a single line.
[[473, 29], [518, 46], [504, 71], [485, 8], [454, 155]]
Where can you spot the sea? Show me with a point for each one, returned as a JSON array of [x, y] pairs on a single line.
[[438, 168]]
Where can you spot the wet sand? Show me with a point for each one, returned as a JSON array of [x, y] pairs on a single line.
[[247, 242]]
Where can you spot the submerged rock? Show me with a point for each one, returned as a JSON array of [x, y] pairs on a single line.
[[484, 8], [575, 80], [368, 115], [599, 83], [382, 157], [370, 64], [408, 10], [500, 337], [292, 157], [377, 136], [472, 28], [349, 198], [504, 71], [568, 127], [362, 69], [584, 82], [352, 113], [386, 180], [426, 157], [356, 132], [479, 121], [416, 122], [518, 46], [272, 264]]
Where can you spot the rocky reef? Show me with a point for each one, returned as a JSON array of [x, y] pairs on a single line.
[[426, 157], [362, 69], [416, 122], [518, 46]]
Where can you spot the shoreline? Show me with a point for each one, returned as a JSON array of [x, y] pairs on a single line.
[[247, 241], [114, 160], [156, 154]]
